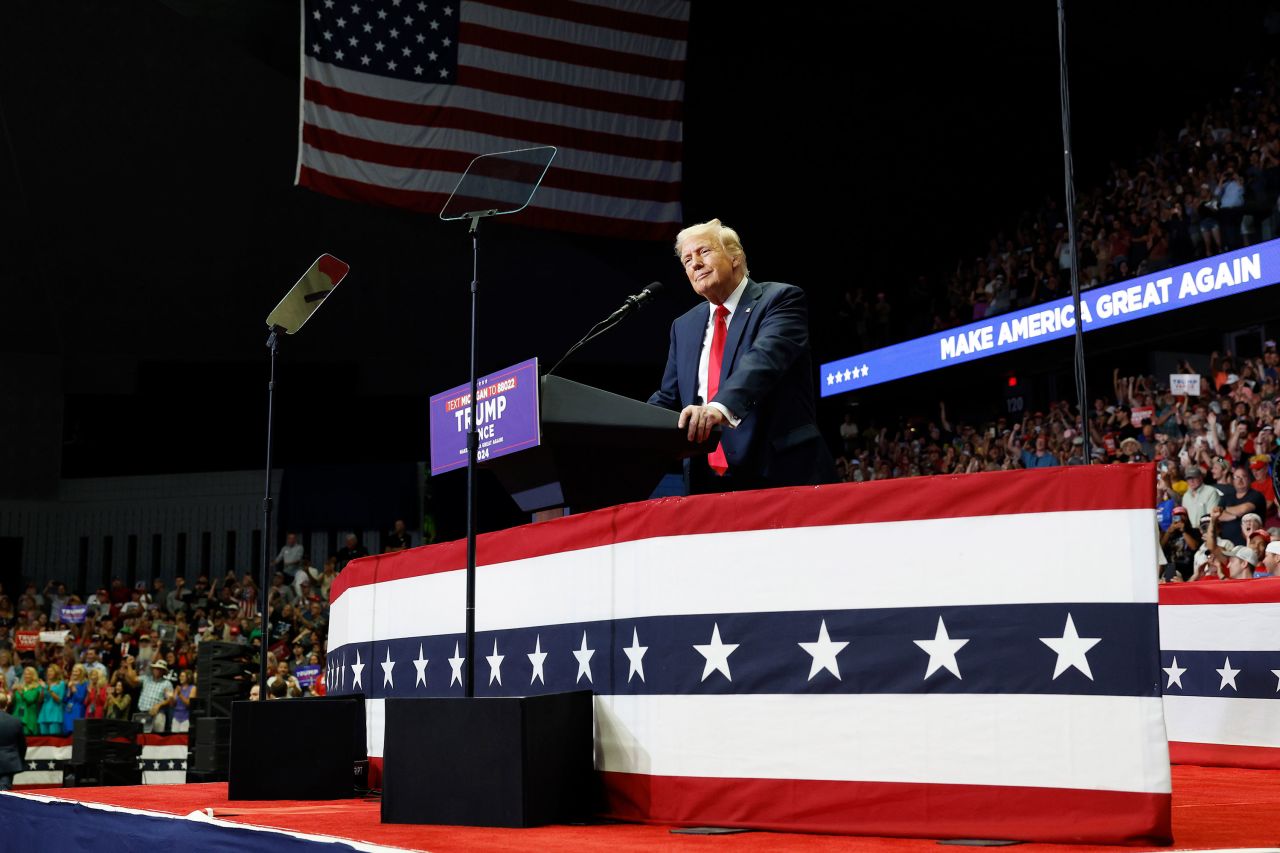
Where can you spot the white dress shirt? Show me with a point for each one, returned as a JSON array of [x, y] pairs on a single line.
[[705, 358]]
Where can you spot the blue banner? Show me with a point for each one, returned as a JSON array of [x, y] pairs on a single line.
[[1191, 284]]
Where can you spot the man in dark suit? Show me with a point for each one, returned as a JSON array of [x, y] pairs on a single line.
[[740, 361], [13, 749]]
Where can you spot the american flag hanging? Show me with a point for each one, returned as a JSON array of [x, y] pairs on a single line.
[[398, 96]]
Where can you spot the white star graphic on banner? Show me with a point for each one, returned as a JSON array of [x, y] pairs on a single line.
[[824, 653], [420, 664], [942, 651], [1175, 673], [1276, 673], [172, 764], [387, 666], [342, 672], [356, 669], [584, 660], [716, 654], [1228, 676], [455, 664], [537, 657], [635, 656], [1071, 649], [495, 664], [864, 371]]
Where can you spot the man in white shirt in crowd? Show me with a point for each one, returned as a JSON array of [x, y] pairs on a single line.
[[290, 556]]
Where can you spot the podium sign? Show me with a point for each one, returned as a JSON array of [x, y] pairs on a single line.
[[506, 412]]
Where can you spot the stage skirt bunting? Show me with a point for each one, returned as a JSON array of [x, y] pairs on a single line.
[[163, 761], [953, 656], [1220, 661]]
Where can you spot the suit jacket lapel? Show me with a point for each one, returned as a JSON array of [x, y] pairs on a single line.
[[691, 350], [750, 295]]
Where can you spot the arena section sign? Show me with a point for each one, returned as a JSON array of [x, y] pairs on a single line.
[[1191, 284]]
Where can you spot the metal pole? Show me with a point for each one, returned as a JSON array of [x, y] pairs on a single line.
[[473, 444], [1064, 96], [272, 341]]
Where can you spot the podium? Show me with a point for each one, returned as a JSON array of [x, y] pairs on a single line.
[[597, 449]]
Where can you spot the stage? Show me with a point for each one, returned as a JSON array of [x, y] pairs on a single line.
[[1214, 808]]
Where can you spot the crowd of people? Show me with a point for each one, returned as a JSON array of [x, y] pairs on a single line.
[[1210, 187], [130, 653], [1214, 454]]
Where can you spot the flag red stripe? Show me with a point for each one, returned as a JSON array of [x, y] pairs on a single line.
[[574, 54], [431, 203], [1065, 815], [404, 156], [1255, 591], [1224, 755], [543, 133], [1067, 488], [564, 93], [596, 16]]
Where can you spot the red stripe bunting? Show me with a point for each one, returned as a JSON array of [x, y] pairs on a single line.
[[1254, 591], [1063, 489], [1061, 815], [1225, 755]]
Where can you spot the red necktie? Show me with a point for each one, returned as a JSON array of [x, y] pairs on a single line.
[[716, 458]]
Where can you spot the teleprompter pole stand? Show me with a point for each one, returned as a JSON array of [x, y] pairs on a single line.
[[273, 341], [473, 445]]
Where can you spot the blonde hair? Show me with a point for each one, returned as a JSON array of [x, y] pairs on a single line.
[[722, 234], [80, 669], [53, 673]]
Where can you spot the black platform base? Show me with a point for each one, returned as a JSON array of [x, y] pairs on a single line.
[[270, 758], [508, 762]]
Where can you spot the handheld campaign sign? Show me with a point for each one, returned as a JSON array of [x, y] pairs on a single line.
[[1185, 383], [506, 415]]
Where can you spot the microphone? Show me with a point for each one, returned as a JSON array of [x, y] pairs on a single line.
[[630, 304], [638, 301]]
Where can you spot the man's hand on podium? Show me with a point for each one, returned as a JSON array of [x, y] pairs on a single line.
[[700, 420]]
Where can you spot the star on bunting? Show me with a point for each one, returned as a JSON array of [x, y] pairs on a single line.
[[941, 651], [387, 666], [455, 664], [584, 660], [635, 656], [824, 653], [420, 664], [1071, 649], [716, 654], [356, 669], [1228, 676], [495, 664], [537, 657], [1175, 673]]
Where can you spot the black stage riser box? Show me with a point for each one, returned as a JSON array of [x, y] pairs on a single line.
[[489, 762], [264, 768]]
